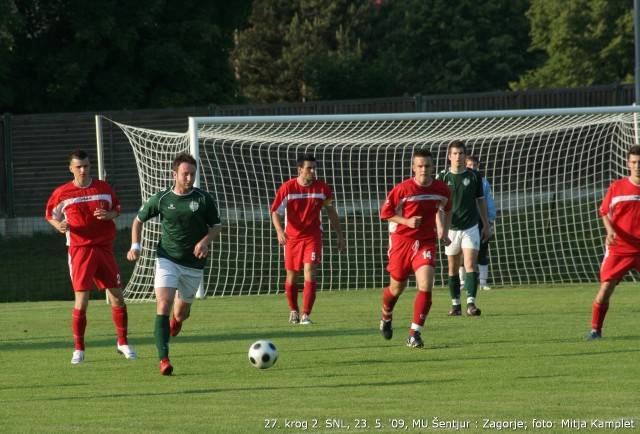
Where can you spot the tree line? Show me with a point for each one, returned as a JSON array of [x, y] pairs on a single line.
[[83, 55]]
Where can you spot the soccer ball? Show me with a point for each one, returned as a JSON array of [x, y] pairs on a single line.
[[263, 354]]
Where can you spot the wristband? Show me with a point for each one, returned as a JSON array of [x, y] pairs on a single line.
[[135, 246]]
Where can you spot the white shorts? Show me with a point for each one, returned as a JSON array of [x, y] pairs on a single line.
[[464, 239], [171, 275]]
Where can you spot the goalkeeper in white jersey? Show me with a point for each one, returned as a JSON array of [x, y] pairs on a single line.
[[469, 206]]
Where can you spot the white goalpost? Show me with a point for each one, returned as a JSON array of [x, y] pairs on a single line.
[[549, 170]]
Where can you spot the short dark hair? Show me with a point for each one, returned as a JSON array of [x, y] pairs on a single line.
[[635, 150], [183, 157], [305, 157], [472, 158], [422, 153], [457, 144], [78, 154]]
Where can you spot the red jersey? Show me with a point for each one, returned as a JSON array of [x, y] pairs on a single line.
[[301, 206], [409, 199], [77, 204], [622, 205]]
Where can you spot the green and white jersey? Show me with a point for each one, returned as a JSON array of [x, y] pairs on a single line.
[[185, 220], [466, 188]]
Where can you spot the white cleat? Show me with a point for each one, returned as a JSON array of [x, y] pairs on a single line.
[[78, 357], [305, 320], [128, 351], [485, 288]]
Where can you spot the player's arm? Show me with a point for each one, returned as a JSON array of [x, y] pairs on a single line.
[[61, 226], [278, 224], [412, 222], [491, 205], [611, 232], [202, 248], [103, 214], [148, 210], [136, 230], [332, 213], [443, 223], [54, 215], [484, 216]]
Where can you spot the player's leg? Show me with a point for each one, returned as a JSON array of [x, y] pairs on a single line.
[[424, 264], [181, 311], [81, 270], [291, 290], [189, 281], [454, 260], [119, 314], [121, 320], [162, 328], [293, 264], [471, 282], [107, 277], [400, 252], [461, 271], [483, 266], [166, 284], [600, 308], [390, 297], [309, 292], [613, 269], [79, 324], [470, 244], [312, 253]]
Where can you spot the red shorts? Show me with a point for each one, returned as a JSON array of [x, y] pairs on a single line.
[[93, 264], [615, 267], [302, 251], [407, 256]]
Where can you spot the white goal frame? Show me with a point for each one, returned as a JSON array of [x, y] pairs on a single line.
[[547, 230]]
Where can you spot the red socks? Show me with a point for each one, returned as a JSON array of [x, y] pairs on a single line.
[[597, 317], [421, 307], [388, 303], [309, 297], [292, 295], [79, 325], [120, 319]]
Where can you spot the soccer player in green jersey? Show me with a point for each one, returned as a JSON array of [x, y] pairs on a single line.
[[469, 207], [190, 221]]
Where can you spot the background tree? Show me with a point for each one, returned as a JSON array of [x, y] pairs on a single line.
[[278, 55], [73, 55], [9, 26], [453, 47], [585, 43], [311, 49]]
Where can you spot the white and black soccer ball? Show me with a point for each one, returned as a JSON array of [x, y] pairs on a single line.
[[263, 354]]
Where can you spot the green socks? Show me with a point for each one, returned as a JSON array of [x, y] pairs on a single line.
[[161, 332]]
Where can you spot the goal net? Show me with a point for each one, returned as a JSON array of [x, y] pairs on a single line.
[[549, 171]]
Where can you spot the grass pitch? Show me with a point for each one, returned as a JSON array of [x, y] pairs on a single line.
[[522, 364]]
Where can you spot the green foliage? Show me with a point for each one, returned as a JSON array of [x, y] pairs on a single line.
[[277, 53], [585, 42], [72, 55], [9, 25], [452, 47], [525, 358], [306, 49]]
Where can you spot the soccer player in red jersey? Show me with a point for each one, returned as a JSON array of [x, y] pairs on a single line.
[[83, 210], [418, 211], [295, 214], [620, 212]]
